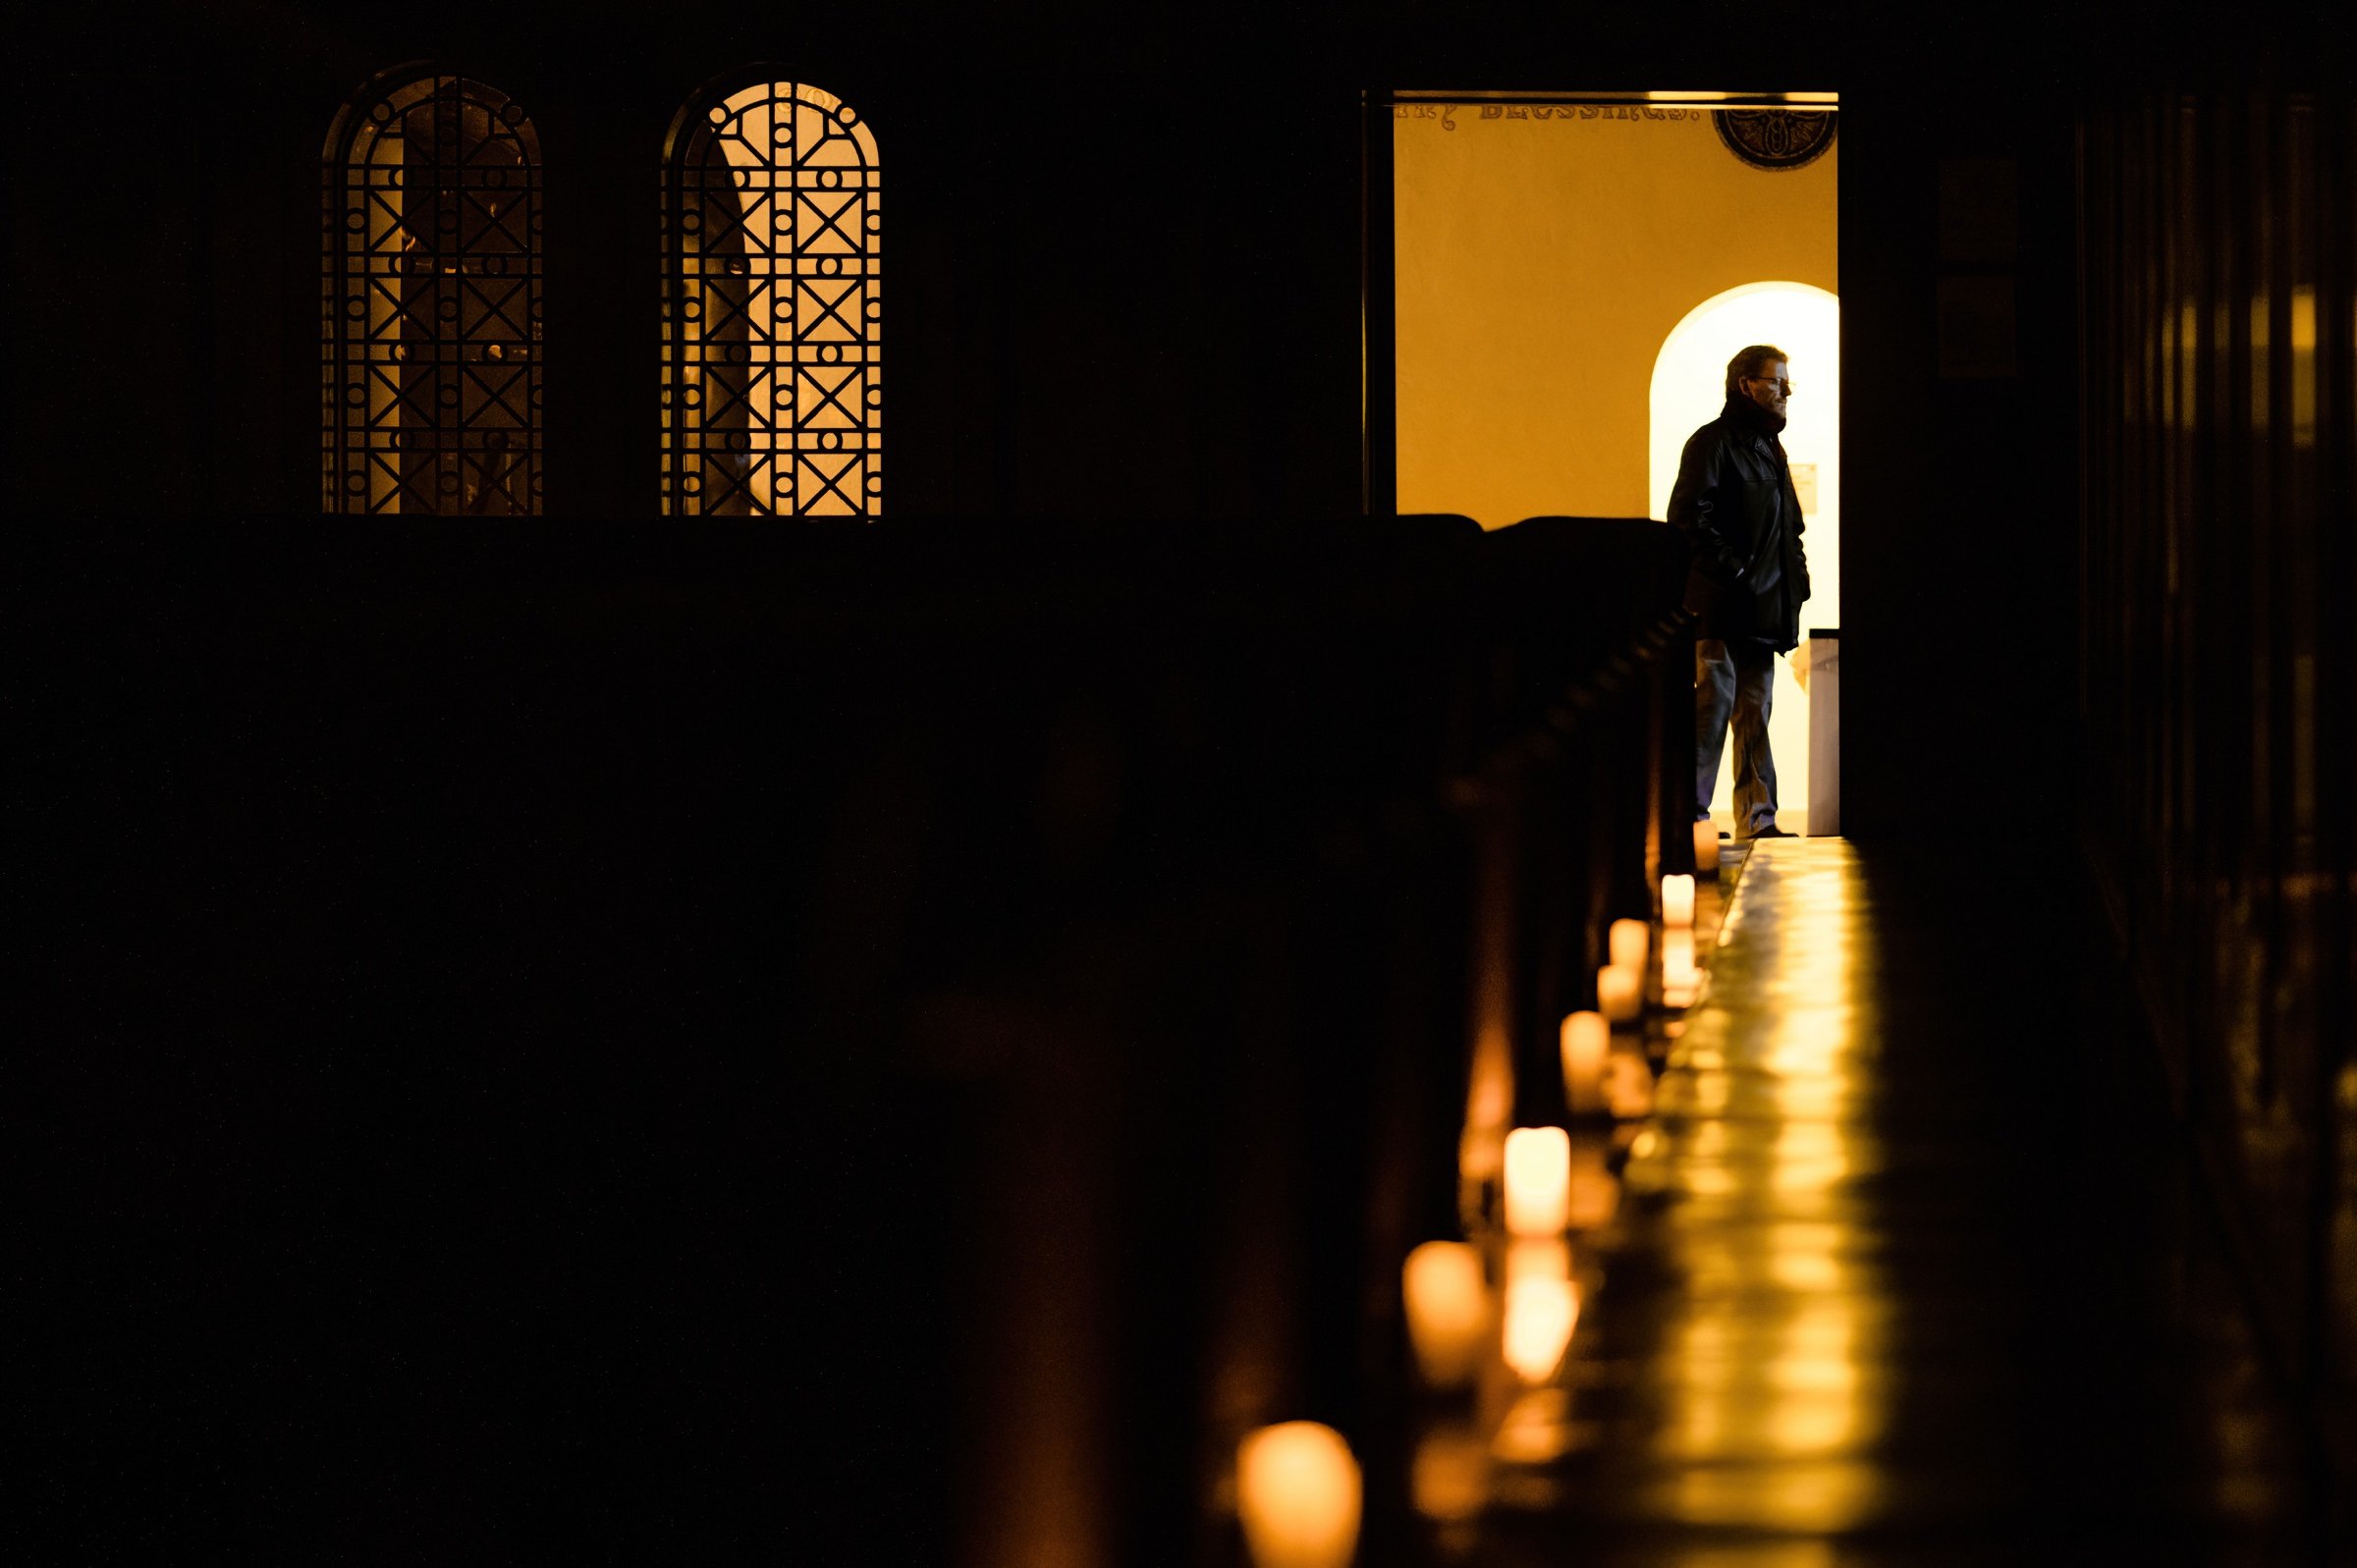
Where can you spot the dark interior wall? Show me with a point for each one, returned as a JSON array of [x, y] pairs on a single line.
[[1122, 279], [1123, 273], [1122, 263], [1113, 288], [1959, 460], [2218, 710]]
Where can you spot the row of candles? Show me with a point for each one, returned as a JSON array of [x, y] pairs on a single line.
[[1298, 1488]]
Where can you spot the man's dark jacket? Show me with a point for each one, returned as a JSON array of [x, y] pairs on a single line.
[[1736, 501]]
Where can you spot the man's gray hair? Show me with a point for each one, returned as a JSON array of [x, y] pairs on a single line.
[[1750, 362]]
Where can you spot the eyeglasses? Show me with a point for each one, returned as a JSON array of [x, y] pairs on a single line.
[[1777, 382]]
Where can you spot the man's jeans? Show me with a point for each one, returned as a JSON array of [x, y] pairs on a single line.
[[1738, 679]]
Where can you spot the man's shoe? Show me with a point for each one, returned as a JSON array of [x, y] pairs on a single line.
[[1772, 831]]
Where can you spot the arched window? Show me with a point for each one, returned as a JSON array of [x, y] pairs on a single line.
[[771, 401], [431, 277]]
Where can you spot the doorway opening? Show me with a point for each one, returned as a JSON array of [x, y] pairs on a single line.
[[1686, 392], [1567, 276]]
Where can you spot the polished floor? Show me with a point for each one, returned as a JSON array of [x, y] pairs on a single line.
[[1905, 1268]]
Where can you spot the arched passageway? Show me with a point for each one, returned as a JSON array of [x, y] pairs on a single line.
[[1688, 390]]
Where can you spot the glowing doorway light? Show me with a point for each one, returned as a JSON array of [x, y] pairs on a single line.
[[1689, 388]]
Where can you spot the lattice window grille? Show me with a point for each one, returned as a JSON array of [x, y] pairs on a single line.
[[432, 302], [772, 395]]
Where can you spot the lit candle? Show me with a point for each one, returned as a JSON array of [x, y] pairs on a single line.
[[1586, 1038], [1620, 992], [1630, 940], [1677, 900], [1706, 848], [1297, 1491], [1538, 1180], [1540, 1315], [1682, 981], [1447, 1310]]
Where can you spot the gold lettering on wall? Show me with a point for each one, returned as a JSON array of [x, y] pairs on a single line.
[[1628, 114]]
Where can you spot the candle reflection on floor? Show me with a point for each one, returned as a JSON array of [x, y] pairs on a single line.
[[1532, 1258], [1537, 1431], [1774, 1353], [1540, 1315], [1763, 1369], [1628, 1085], [1595, 1192], [1449, 1480]]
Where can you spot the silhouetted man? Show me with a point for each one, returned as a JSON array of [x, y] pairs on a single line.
[[1736, 501]]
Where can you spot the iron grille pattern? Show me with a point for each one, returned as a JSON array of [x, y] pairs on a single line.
[[432, 273], [772, 403]]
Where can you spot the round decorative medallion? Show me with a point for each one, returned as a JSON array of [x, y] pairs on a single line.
[[1776, 138]]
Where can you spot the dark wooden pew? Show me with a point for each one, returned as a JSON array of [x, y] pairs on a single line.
[[648, 1034]]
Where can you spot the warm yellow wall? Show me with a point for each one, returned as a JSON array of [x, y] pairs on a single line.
[[1541, 263]]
